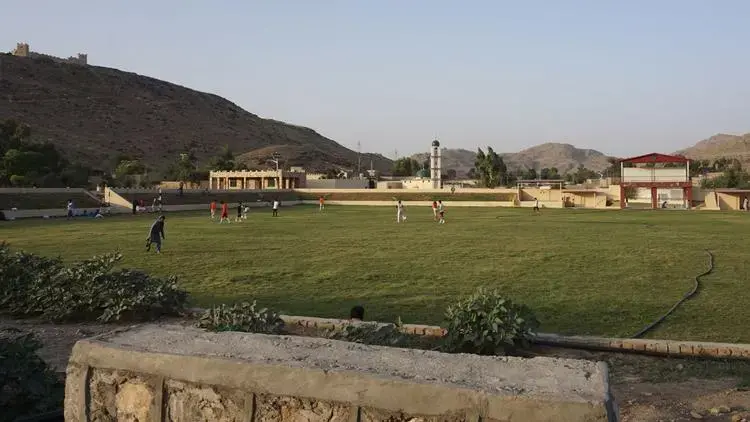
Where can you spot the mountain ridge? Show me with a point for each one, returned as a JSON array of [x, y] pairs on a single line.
[[93, 114]]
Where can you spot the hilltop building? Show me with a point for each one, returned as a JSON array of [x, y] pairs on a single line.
[[23, 50]]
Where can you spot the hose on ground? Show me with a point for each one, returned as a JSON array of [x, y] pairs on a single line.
[[688, 295]]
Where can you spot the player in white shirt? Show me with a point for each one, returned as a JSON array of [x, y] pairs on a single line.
[[441, 212], [536, 205], [400, 213], [275, 207]]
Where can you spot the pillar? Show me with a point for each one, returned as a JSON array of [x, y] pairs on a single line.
[[622, 196], [654, 198], [689, 196]]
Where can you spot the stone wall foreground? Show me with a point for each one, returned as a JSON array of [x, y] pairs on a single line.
[[175, 373]]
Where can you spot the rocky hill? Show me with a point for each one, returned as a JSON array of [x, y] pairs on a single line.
[[564, 157], [721, 146], [94, 113]]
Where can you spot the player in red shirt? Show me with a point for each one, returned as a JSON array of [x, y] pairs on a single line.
[[224, 212], [213, 209]]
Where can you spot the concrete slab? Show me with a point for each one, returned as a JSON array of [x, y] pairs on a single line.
[[369, 382]]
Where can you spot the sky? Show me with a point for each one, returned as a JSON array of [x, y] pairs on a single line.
[[625, 77]]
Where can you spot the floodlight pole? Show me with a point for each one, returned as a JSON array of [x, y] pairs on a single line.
[[275, 157]]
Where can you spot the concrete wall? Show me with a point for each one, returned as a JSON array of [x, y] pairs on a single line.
[[61, 212], [448, 204], [337, 184], [711, 201], [640, 174], [543, 195], [175, 373], [42, 190], [592, 199], [729, 201]]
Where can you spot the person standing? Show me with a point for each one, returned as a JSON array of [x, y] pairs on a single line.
[[536, 205], [156, 234], [135, 206], [441, 212], [224, 212], [321, 200], [239, 212], [70, 209], [434, 211], [276, 207], [400, 213], [212, 207]]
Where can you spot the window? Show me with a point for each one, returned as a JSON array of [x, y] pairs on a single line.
[[232, 183]]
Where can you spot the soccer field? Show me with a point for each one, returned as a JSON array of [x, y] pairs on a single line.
[[583, 272]]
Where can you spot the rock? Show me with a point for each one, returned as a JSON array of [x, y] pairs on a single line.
[[736, 418], [680, 367], [724, 409], [647, 394], [695, 415]]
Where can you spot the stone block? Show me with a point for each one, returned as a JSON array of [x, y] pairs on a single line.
[[191, 402], [170, 373], [271, 408]]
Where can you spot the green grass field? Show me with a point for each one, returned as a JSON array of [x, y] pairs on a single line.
[[583, 272]]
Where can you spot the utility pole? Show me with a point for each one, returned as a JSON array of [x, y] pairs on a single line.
[[275, 158], [359, 159]]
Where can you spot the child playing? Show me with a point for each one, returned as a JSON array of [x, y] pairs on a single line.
[[224, 213]]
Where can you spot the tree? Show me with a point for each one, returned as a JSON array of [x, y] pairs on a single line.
[[731, 178], [581, 175], [614, 167], [549, 174], [405, 166], [183, 169], [472, 174], [490, 168], [450, 174], [224, 161], [530, 174]]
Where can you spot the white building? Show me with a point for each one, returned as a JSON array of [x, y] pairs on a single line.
[[436, 165]]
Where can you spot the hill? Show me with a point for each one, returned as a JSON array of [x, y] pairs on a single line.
[[95, 113], [721, 146], [564, 157]]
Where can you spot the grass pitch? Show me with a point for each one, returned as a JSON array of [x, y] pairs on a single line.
[[582, 271]]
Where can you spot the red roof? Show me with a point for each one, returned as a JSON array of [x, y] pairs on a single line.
[[655, 157]]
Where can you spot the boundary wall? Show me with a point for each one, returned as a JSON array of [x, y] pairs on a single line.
[[674, 348], [169, 372]]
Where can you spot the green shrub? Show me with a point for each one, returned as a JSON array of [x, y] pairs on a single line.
[[373, 334], [243, 317], [29, 387], [486, 323], [34, 286]]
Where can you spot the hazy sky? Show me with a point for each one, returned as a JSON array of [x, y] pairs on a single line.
[[621, 76]]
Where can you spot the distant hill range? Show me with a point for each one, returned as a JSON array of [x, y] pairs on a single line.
[[93, 114], [564, 157], [721, 146]]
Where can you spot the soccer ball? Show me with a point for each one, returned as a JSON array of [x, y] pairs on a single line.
[[404, 218]]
